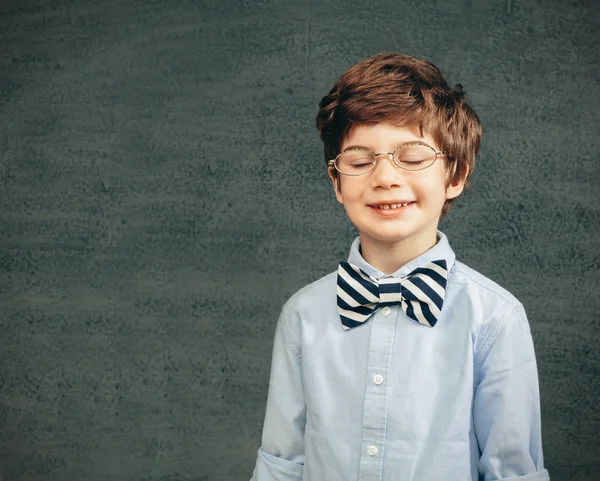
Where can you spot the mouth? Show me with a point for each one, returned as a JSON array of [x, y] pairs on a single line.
[[391, 205]]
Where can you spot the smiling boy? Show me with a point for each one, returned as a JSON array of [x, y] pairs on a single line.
[[404, 364]]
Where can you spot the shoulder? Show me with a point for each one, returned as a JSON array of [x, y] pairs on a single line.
[[314, 295], [480, 289], [491, 308], [307, 311]]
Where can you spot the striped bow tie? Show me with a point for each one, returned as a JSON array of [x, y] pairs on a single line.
[[420, 294]]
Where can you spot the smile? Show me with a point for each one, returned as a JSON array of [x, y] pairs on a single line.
[[391, 206]]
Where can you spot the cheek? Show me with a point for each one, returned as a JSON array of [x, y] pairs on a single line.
[[426, 183], [430, 190], [350, 191]]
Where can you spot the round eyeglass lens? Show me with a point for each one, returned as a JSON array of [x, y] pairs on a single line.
[[355, 162], [415, 157]]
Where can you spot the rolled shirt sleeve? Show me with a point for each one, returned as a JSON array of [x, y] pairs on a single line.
[[281, 456], [506, 410]]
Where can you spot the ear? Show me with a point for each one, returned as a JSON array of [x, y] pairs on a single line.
[[335, 179], [456, 186]]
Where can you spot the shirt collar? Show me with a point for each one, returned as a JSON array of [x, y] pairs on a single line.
[[441, 250]]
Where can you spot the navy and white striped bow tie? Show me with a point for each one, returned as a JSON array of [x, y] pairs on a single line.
[[420, 294]]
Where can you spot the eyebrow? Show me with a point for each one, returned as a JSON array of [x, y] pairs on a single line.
[[363, 147], [360, 147]]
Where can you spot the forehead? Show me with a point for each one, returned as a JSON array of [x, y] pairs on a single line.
[[384, 137]]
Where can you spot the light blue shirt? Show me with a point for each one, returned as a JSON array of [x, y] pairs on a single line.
[[394, 400]]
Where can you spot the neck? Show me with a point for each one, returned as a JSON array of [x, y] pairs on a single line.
[[389, 257]]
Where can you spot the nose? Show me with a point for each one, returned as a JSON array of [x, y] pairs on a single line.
[[386, 174]]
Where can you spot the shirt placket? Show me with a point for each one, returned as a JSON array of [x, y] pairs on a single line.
[[377, 394]]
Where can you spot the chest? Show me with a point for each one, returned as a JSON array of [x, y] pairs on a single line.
[[390, 373]]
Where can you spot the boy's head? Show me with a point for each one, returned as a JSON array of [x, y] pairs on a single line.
[[404, 91]]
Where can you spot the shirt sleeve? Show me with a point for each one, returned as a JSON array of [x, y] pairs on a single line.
[[281, 455], [506, 408]]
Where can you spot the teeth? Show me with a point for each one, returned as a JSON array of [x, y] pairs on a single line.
[[391, 206]]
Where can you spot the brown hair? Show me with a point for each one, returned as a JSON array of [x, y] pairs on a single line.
[[404, 91]]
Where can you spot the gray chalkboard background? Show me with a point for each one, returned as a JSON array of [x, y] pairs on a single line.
[[163, 192]]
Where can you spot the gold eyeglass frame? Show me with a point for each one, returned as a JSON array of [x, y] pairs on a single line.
[[332, 162]]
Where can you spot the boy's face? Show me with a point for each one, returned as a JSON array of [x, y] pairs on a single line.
[[412, 227]]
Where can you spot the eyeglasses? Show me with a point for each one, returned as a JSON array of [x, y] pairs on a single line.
[[410, 156]]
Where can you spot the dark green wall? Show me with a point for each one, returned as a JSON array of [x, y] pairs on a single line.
[[163, 192]]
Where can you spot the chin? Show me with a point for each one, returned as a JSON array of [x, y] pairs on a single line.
[[388, 238]]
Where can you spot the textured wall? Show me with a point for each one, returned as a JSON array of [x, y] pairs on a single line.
[[163, 192]]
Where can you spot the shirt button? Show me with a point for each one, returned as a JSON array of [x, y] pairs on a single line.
[[372, 450], [378, 379], [386, 311]]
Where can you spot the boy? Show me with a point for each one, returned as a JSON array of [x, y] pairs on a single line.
[[404, 364]]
